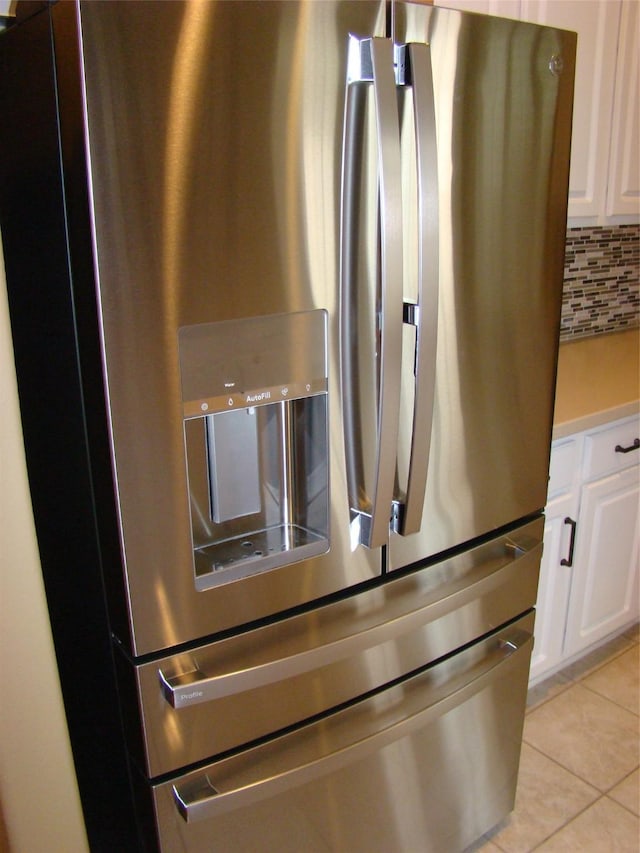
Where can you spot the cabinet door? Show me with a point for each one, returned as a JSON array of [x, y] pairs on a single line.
[[554, 585], [596, 22], [604, 591], [624, 178], [502, 8]]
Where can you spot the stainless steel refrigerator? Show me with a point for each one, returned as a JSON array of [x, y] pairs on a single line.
[[285, 284]]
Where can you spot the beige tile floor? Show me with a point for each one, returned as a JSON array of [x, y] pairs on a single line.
[[579, 782]]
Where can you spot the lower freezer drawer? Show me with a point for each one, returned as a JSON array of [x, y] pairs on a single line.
[[427, 764]]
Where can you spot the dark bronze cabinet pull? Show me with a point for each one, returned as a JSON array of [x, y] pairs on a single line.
[[634, 446], [568, 561]]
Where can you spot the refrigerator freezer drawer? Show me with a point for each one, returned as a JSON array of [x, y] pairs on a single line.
[[228, 693], [426, 764]]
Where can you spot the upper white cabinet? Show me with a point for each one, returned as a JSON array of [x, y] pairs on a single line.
[[502, 8], [624, 175], [597, 23], [604, 181]]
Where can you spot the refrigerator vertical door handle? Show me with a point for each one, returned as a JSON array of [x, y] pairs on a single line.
[[204, 796], [371, 61], [418, 62]]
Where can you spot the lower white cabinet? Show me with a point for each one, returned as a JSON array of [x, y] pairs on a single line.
[[604, 587], [589, 574]]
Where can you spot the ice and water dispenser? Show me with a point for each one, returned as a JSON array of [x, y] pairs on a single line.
[[254, 395]]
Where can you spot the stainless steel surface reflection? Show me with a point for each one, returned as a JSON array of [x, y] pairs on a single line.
[[216, 182], [449, 737], [503, 147], [271, 677], [215, 168]]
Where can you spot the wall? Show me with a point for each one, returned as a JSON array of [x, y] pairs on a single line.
[[38, 791], [601, 281]]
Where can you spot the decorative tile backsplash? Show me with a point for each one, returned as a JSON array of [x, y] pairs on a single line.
[[601, 281]]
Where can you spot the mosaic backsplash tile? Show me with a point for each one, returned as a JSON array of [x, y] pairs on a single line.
[[601, 281]]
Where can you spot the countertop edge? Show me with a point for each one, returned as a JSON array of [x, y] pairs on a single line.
[[595, 419]]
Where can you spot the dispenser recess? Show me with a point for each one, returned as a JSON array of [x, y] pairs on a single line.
[[254, 395]]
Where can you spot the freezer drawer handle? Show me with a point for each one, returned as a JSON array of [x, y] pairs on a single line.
[[414, 69], [636, 444], [203, 796], [194, 687], [370, 61]]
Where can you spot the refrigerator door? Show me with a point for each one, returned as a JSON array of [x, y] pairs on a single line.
[[429, 764], [215, 155], [491, 268]]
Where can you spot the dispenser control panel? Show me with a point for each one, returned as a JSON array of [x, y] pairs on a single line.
[[254, 397]]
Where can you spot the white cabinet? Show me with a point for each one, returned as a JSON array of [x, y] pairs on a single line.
[[604, 588], [624, 173], [604, 181], [555, 569], [502, 8], [589, 573], [597, 23], [553, 588], [605, 175]]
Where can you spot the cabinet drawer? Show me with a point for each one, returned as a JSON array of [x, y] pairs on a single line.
[[612, 449], [563, 467]]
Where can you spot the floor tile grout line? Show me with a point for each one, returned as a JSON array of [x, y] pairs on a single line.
[[564, 682], [624, 779], [622, 805], [571, 772], [561, 689], [561, 673], [559, 829], [599, 796], [582, 686], [599, 791], [599, 666], [609, 699], [594, 693], [566, 823]]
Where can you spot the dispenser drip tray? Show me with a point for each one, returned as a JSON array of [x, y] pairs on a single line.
[[232, 559]]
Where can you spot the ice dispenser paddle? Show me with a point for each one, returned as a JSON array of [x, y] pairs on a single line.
[[254, 394]]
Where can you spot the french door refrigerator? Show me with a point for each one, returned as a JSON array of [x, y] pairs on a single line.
[[285, 284]]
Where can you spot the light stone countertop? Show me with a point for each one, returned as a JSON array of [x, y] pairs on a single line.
[[598, 381]]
